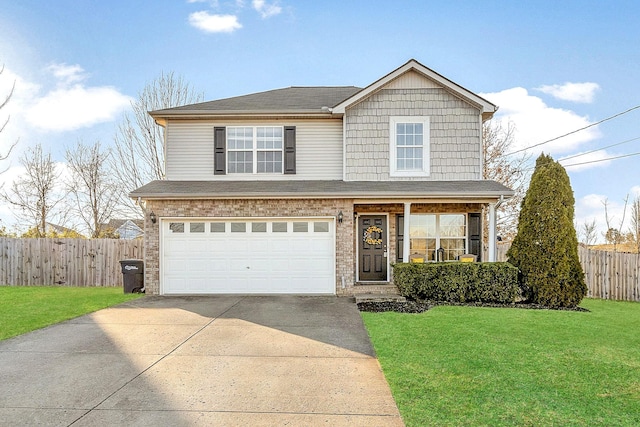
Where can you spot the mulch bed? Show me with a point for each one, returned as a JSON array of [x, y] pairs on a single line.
[[422, 306]]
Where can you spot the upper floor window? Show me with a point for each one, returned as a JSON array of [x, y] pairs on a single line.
[[254, 149], [409, 146]]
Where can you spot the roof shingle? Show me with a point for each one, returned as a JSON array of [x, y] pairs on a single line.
[[289, 99], [321, 189]]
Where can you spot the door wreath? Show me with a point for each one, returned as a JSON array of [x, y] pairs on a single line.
[[372, 235]]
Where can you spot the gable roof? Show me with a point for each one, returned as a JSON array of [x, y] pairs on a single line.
[[485, 106], [322, 101], [291, 100]]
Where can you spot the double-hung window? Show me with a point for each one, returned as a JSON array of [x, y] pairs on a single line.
[[409, 146], [430, 232], [254, 149]]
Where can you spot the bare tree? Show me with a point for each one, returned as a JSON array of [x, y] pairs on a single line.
[[508, 170], [634, 230], [588, 232], [613, 234], [139, 152], [6, 121], [93, 189], [34, 197]]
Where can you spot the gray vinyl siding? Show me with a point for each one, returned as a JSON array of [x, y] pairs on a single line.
[[455, 134], [189, 154]]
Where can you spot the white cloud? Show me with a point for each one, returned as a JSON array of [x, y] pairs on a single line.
[[591, 207], [23, 94], [209, 23], [67, 74], [536, 122], [266, 10], [575, 92], [76, 107], [73, 105]]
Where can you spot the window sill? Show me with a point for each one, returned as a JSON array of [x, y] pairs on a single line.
[[396, 174]]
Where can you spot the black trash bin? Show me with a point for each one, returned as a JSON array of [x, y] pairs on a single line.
[[133, 275]]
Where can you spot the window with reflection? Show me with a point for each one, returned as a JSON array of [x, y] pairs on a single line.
[[431, 232]]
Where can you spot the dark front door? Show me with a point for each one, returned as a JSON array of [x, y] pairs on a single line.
[[372, 247]]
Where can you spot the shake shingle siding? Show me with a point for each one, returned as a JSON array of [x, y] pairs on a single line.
[[318, 149], [455, 134]]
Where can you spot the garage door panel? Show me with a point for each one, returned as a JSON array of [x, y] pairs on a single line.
[[175, 265], [280, 265], [176, 246], [251, 261], [298, 245], [217, 265], [235, 245]]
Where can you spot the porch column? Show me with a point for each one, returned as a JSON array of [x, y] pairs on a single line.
[[492, 232], [406, 242]]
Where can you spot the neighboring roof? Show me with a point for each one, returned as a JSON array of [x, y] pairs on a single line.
[[60, 229], [300, 100], [486, 107], [117, 223], [322, 189]]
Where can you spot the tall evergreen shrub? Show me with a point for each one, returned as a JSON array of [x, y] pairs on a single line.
[[545, 250]]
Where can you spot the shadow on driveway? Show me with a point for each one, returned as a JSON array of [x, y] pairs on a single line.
[[196, 360]]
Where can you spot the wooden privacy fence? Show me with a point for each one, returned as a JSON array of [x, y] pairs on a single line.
[[611, 275], [608, 275], [65, 262]]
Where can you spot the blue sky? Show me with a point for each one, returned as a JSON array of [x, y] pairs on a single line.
[[551, 66]]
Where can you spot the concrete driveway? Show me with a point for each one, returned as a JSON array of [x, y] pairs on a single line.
[[218, 360]]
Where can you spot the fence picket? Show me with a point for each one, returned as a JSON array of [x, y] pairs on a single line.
[[95, 262], [65, 262], [609, 275]]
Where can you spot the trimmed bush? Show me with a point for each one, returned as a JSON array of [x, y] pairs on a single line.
[[545, 250], [492, 282]]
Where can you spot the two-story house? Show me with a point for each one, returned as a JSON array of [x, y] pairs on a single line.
[[318, 190]]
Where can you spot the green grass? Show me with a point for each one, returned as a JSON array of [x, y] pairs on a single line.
[[24, 309], [468, 366]]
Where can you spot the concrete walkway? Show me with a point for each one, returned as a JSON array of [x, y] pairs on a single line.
[[181, 361]]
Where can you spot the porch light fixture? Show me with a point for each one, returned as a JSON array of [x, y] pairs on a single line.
[[340, 217], [152, 217]]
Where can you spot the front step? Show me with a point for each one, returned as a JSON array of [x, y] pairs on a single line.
[[382, 288], [379, 298]]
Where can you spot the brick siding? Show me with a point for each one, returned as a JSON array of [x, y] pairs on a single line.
[[345, 237]]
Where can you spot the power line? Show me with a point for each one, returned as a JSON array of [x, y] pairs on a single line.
[[603, 160], [598, 149], [591, 161], [575, 131]]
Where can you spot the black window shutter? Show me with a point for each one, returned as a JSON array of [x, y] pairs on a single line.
[[219, 151], [399, 237], [289, 149], [475, 235]]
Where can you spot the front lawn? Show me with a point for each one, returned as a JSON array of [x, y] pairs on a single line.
[[24, 309], [474, 366]]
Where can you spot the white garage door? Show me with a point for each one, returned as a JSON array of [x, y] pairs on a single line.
[[266, 256]]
